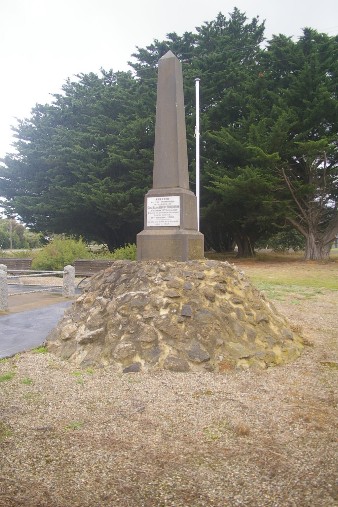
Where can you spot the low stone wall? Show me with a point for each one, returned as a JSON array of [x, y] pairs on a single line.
[[180, 316]]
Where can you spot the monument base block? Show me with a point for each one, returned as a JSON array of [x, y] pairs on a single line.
[[169, 245]]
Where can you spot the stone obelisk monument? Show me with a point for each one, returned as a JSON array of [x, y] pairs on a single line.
[[170, 208]]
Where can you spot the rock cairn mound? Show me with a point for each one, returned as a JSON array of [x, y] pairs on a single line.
[[178, 316]]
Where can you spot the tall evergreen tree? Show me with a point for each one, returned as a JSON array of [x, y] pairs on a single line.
[[84, 161], [269, 141], [301, 79]]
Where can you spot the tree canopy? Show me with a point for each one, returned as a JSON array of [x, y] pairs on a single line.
[[15, 235], [84, 161], [269, 141]]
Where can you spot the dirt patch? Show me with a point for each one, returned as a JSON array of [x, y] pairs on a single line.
[[251, 438]]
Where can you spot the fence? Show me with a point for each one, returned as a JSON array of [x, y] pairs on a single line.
[[68, 286]]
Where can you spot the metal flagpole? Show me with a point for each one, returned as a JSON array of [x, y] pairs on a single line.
[[197, 135]]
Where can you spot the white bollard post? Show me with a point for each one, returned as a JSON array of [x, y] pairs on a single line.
[[3, 288], [68, 290]]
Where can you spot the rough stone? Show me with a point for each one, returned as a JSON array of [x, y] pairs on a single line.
[[210, 295], [186, 311], [124, 350], [3, 288], [133, 368], [188, 286], [127, 316], [174, 363], [68, 290], [172, 293], [197, 353]]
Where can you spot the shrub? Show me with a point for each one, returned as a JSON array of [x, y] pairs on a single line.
[[20, 254], [283, 241], [60, 253], [127, 252]]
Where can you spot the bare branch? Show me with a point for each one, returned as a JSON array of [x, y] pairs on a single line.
[[300, 207], [297, 226], [331, 231]]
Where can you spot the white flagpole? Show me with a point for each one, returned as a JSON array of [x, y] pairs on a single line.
[[197, 135]]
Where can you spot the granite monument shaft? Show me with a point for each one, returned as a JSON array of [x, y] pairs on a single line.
[[170, 208]]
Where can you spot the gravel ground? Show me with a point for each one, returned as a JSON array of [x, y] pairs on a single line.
[[246, 438]]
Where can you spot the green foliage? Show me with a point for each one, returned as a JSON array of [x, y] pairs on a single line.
[[7, 376], [5, 431], [269, 141], [74, 425], [85, 160], [284, 240], [126, 252], [20, 254], [40, 350], [15, 235], [60, 253], [300, 83], [81, 374]]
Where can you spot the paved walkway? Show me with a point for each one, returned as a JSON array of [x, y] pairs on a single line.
[[28, 321]]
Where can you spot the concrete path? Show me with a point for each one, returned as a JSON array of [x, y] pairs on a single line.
[[28, 321]]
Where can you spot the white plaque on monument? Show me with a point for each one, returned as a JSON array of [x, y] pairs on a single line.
[[163, 211]]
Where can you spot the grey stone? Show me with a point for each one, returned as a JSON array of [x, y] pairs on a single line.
[[271, 340], [172, 293], [124, 350], [236, 328], [236, 301], [188, 286], [183, 333], [221, 287], [287, 334], [138, 302], [238, 350], [68, 289], [152, 355], [186, 311], [147, 334], [251, 333], [174, 284], [240, 314], [174, 363], [197, 353], [161, 240], [3, 288], [210, 295], [262, 317], [133, 368], [91, 336], [150, 314], [203, 315], [200, 276]]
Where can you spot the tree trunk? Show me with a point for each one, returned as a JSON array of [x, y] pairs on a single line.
[[315, 249], [317, 243], [245, 248]]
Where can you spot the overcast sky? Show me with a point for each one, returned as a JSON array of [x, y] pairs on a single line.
[[43, 42]]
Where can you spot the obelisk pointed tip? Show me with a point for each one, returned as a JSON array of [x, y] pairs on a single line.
[[169, 54]]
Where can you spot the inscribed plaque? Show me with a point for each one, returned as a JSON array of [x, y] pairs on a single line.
[[163, 211]]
